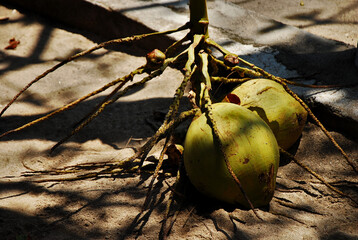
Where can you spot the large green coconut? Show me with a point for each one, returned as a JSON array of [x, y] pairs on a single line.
[[250, 147], [285, 116]]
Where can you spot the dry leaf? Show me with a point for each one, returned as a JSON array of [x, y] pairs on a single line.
[[175, 154], [12, 44]]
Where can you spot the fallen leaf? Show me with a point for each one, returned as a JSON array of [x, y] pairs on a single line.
[[175, 154], [12, 44]]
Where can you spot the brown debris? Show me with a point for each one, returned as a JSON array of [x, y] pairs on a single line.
[[12, 44]]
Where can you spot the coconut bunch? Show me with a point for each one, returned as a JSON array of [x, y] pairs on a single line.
[[253, 121], [250, 148]]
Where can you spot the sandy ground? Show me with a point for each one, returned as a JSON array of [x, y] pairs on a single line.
[[109, 207]]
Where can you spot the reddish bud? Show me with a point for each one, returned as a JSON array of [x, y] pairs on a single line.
[[155, 57], [231, 60]]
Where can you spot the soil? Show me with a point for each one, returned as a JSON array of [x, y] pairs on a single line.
[[109, 207]]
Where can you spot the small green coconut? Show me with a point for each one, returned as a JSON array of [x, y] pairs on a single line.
[[251, 149], [268, 99]]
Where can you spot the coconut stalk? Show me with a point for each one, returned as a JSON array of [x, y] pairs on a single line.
[[199, 20]]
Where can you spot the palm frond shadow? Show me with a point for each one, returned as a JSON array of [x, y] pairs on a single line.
[[64, 217]]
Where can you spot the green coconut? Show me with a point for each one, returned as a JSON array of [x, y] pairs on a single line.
[[268, 99], [250, 147]]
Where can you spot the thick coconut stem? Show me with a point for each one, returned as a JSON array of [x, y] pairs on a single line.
[[199, 17]]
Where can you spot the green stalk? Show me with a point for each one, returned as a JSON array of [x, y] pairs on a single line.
[[199, 17]]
